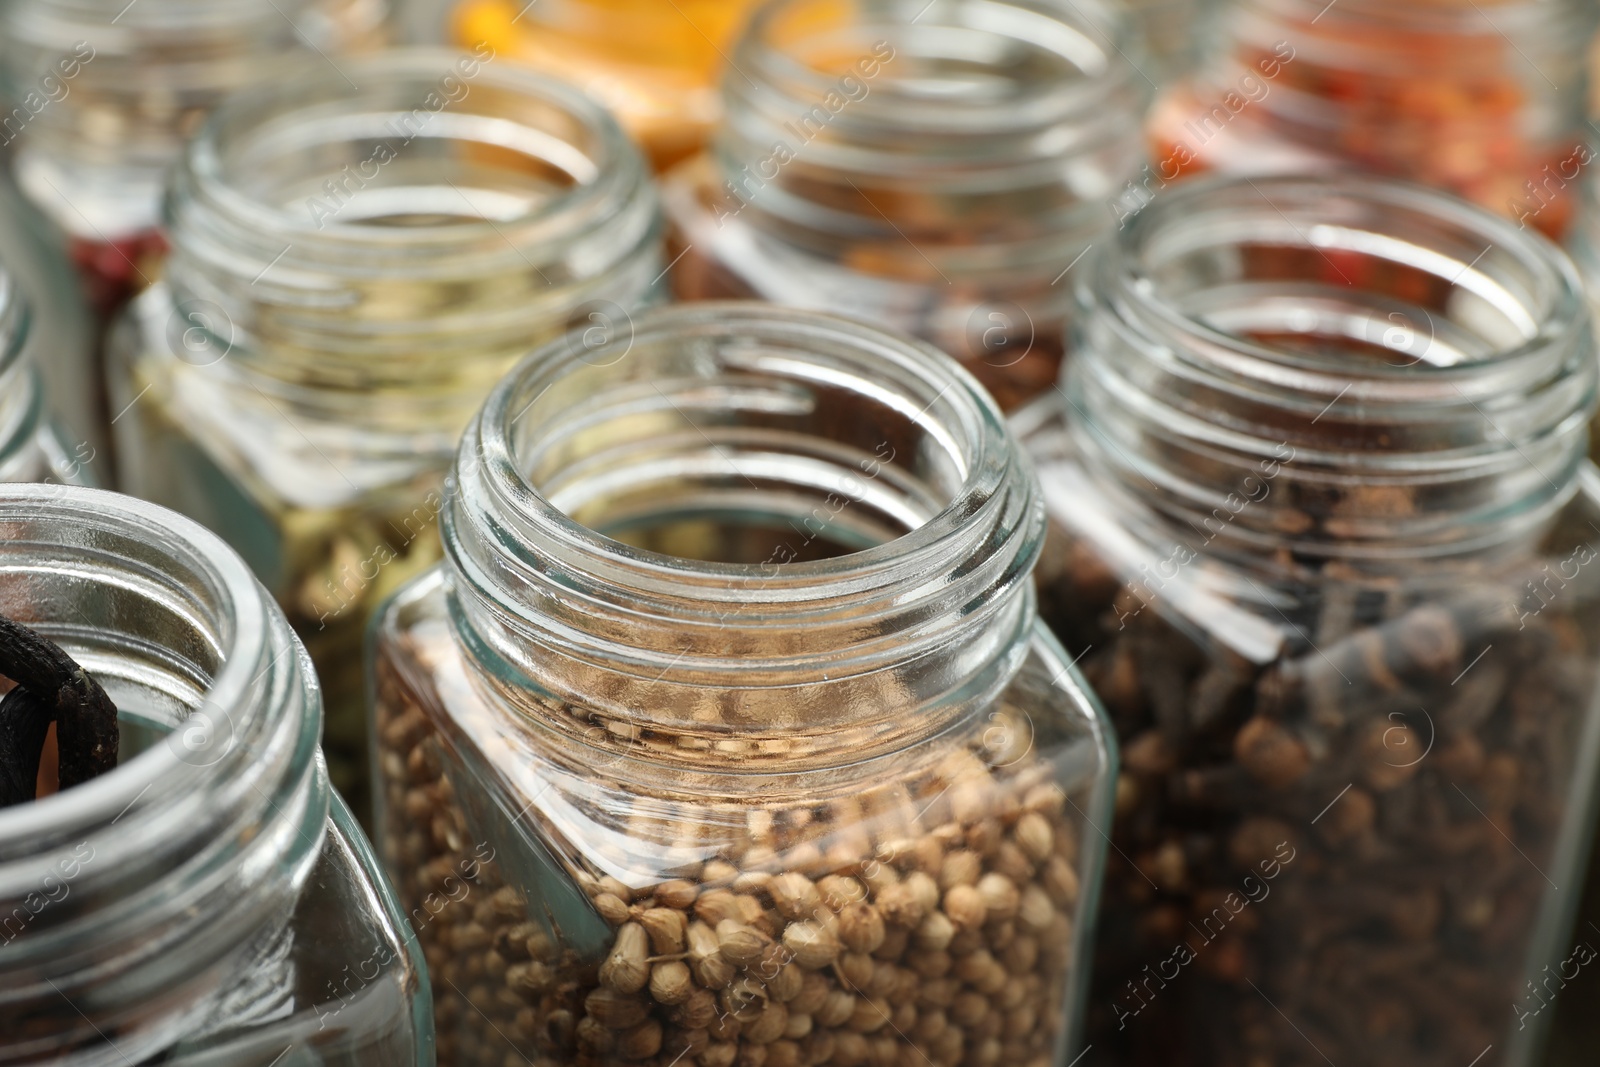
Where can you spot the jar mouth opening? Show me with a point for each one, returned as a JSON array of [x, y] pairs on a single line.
[[975, 66], [1351, 288], [412, 148], [939, 457], [86, 567]]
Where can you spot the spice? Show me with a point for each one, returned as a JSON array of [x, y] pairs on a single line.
[[50, 687], [748, 957]]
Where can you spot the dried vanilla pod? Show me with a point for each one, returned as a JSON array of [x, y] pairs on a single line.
[[50, 687]]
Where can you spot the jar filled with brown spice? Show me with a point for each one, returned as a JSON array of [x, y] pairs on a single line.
[[1324, 535], [726, 733]]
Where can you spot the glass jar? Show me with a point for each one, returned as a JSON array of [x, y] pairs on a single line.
[[33, 446], [1486, 100], [99, 97], [1322, 526], [653, 64], [351, 271], [733, 660], [209, 900], [938, 171]]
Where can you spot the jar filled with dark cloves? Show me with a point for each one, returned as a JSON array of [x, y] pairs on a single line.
[[1324, 541], [351, 271], [733, 664], [934, 167], [33, 445], [178, 883]]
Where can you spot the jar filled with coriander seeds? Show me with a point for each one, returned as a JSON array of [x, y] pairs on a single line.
[[178, 884], [937, 167], [733, 661], [351, 271], [1324, 538], [33, 445]]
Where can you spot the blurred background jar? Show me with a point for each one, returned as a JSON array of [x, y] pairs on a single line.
[[654, 64], [734, 664], [1173, 31], [936, 167], [351, 271], [1485, 100], [209, 900], [100, 95], [1325, 539], [34, 447]]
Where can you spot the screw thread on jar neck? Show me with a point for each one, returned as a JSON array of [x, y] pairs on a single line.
[[21, 399], [1524, 62], [411, 236], [193, 849], [111, 90], [1333, 369], [772, 434], [918, 140]]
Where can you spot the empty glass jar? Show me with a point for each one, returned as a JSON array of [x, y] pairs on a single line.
[[1486, 100], [1324, 539], [653, 64], [351, 270], [33, 446], [935, 167], [733, 662], [209, 900]]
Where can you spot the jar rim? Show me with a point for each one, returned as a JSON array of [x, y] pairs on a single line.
[[1109, 31], [209, 561], [203, 160], [970, 408], [1123, 269]]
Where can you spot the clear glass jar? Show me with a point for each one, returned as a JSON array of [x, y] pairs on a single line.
[[938, 171], [102, 94], [33, 446], [1322, 534], [733, 660], [653, 64], [1484, 99], [210, 900], [351, 271]]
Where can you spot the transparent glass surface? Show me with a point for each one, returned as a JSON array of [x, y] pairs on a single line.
[[33, 444], [1485, 100], [209, 901], [352, 270], [727, 731], [1322, 535], [935, 167]]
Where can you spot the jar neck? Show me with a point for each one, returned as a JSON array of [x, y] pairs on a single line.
[[102, 95], [1523, 61], [970, 138], [750, 441], [1301, 371], [407, 239], [138, 895]]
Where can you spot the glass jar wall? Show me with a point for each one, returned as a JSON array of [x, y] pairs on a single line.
[[351, 271], [653, 64], [33, 446], [935, 167], [1486, 100], [209, 900], [733, 661], [1322, 535], [100, 96]]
